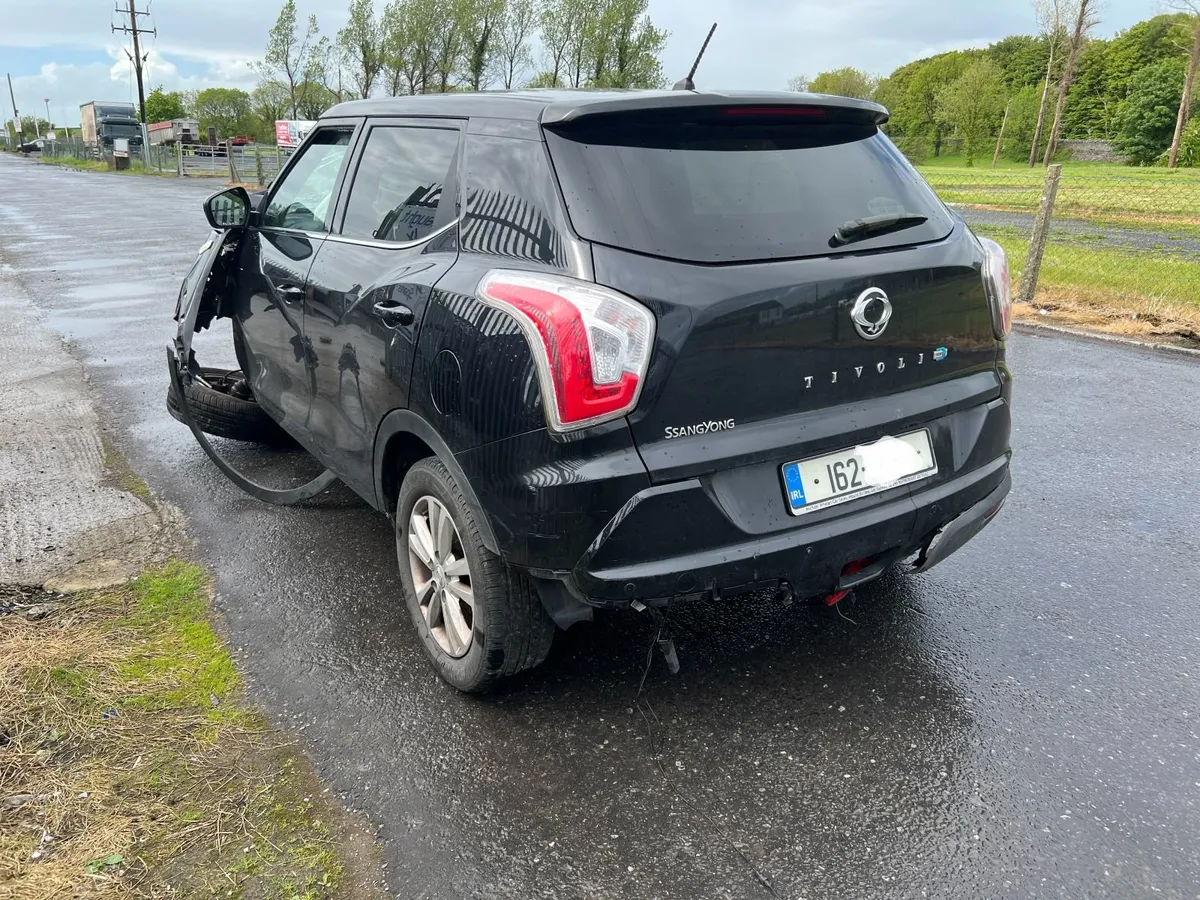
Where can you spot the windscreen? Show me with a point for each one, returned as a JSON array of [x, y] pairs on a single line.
[[738, 184]]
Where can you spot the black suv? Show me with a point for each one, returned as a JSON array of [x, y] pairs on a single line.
[[594, 349]]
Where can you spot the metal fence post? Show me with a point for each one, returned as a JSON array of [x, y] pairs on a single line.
[[1041, 231], [179, 158]]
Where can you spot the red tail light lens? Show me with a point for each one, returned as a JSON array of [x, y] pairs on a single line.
[[591, 344], [997, 284]]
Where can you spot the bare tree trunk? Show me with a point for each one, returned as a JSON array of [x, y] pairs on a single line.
[[1185, 103], [1064, 84], [1041, 122], [1000, 140]]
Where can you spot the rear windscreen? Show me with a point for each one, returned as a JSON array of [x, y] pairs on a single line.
[[719, 186]]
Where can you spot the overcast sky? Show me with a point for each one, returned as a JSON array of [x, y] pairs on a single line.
[[64, 50]]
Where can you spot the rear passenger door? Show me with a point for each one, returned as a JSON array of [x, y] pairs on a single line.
[[396, 235]]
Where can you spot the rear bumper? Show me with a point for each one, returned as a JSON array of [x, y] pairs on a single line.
[[729, 532], [810, 560]]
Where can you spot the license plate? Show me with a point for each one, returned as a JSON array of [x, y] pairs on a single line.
[[824, 481]]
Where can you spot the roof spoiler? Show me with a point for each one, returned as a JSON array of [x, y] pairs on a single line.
[[566, 112]]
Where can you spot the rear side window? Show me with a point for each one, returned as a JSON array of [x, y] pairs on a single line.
[[397, 191], [715, 185]]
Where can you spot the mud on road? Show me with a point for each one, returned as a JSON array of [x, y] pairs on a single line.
[[1020, 721]]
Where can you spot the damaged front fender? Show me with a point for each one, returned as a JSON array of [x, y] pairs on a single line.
[[201, 299]]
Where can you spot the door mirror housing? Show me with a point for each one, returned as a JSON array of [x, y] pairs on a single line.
[[228, 209]]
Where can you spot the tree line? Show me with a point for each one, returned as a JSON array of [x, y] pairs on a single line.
[[1135, 90], [428, 46]]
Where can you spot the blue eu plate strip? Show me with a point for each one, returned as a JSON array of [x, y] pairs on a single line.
[[795, 486]]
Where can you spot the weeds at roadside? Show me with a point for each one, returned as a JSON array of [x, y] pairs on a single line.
[[128, 766]]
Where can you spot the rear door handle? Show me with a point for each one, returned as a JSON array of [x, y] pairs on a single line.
[[393, 314], [290, 293]]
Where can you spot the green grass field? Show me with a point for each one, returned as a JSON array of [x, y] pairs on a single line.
[[1122, 193], [1160, 204]]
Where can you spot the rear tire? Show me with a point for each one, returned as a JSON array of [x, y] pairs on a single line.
[[218, 412], [509, 630]]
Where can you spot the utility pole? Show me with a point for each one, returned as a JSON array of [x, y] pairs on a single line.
[[136, 57], [16, 115]]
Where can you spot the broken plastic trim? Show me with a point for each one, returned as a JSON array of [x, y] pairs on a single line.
[[258, 491], [179, 361]]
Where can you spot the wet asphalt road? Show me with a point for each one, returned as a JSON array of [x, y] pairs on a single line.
[[1020, 722]]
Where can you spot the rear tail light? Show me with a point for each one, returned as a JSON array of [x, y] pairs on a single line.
[[998, 287], [591, 344]]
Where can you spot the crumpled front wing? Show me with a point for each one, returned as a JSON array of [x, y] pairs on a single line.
[[196, 306]]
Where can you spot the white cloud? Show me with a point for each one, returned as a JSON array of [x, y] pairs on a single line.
[[68, 86], [759, 43]]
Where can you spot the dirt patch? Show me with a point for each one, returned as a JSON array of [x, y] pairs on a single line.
[[1164, 322], [130, 764]]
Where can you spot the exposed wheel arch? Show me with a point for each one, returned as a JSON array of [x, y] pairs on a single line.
[[403, 439]]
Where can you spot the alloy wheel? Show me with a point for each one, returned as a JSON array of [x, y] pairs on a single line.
[[441, 576]]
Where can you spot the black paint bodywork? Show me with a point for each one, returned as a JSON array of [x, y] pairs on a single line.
[[620, 512]]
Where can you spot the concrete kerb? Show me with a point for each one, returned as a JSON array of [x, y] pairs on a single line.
[[66, 522]]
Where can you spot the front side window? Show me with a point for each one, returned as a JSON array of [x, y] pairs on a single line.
[[397, 191], [304, 196]]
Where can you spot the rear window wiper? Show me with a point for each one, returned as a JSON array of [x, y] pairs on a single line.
[[871, 226]]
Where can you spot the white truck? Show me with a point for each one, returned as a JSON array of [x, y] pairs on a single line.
[[101, 121], [175, 131]]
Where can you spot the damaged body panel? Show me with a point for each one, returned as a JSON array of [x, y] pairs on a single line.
[[603, 350]]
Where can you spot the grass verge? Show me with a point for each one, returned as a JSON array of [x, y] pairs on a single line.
[[1148, 294], [130, 767], [136, 167]]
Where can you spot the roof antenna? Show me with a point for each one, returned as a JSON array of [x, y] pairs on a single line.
[[686, 83]]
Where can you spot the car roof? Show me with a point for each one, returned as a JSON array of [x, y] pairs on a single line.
[[556, 105]]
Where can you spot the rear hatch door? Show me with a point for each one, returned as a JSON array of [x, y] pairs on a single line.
[[777, 337]]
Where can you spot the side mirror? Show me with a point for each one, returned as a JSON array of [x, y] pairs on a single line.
[[228, 209]]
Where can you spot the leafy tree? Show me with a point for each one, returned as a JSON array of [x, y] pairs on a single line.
[[162, 106], [361, 44], [1051, 16], [1023, 112], [1189, 145], [270, 102], [228, 110], [315, 99], [916, 114], [628, 47], [845, 82], [396, 46], [288, 57], [448, 44], [1145, 120], [557, 28], [478, 21], [544, 80], [32, 126], [1085, 21], [612, 43], [326, 64], [1092, 100], [513, 54], [1189, 81], [972, 105], [1021, 59]]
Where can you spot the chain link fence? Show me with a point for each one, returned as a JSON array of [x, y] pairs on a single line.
[[1115, 243]]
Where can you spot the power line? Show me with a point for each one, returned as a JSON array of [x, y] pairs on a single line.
[[136, 56]]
